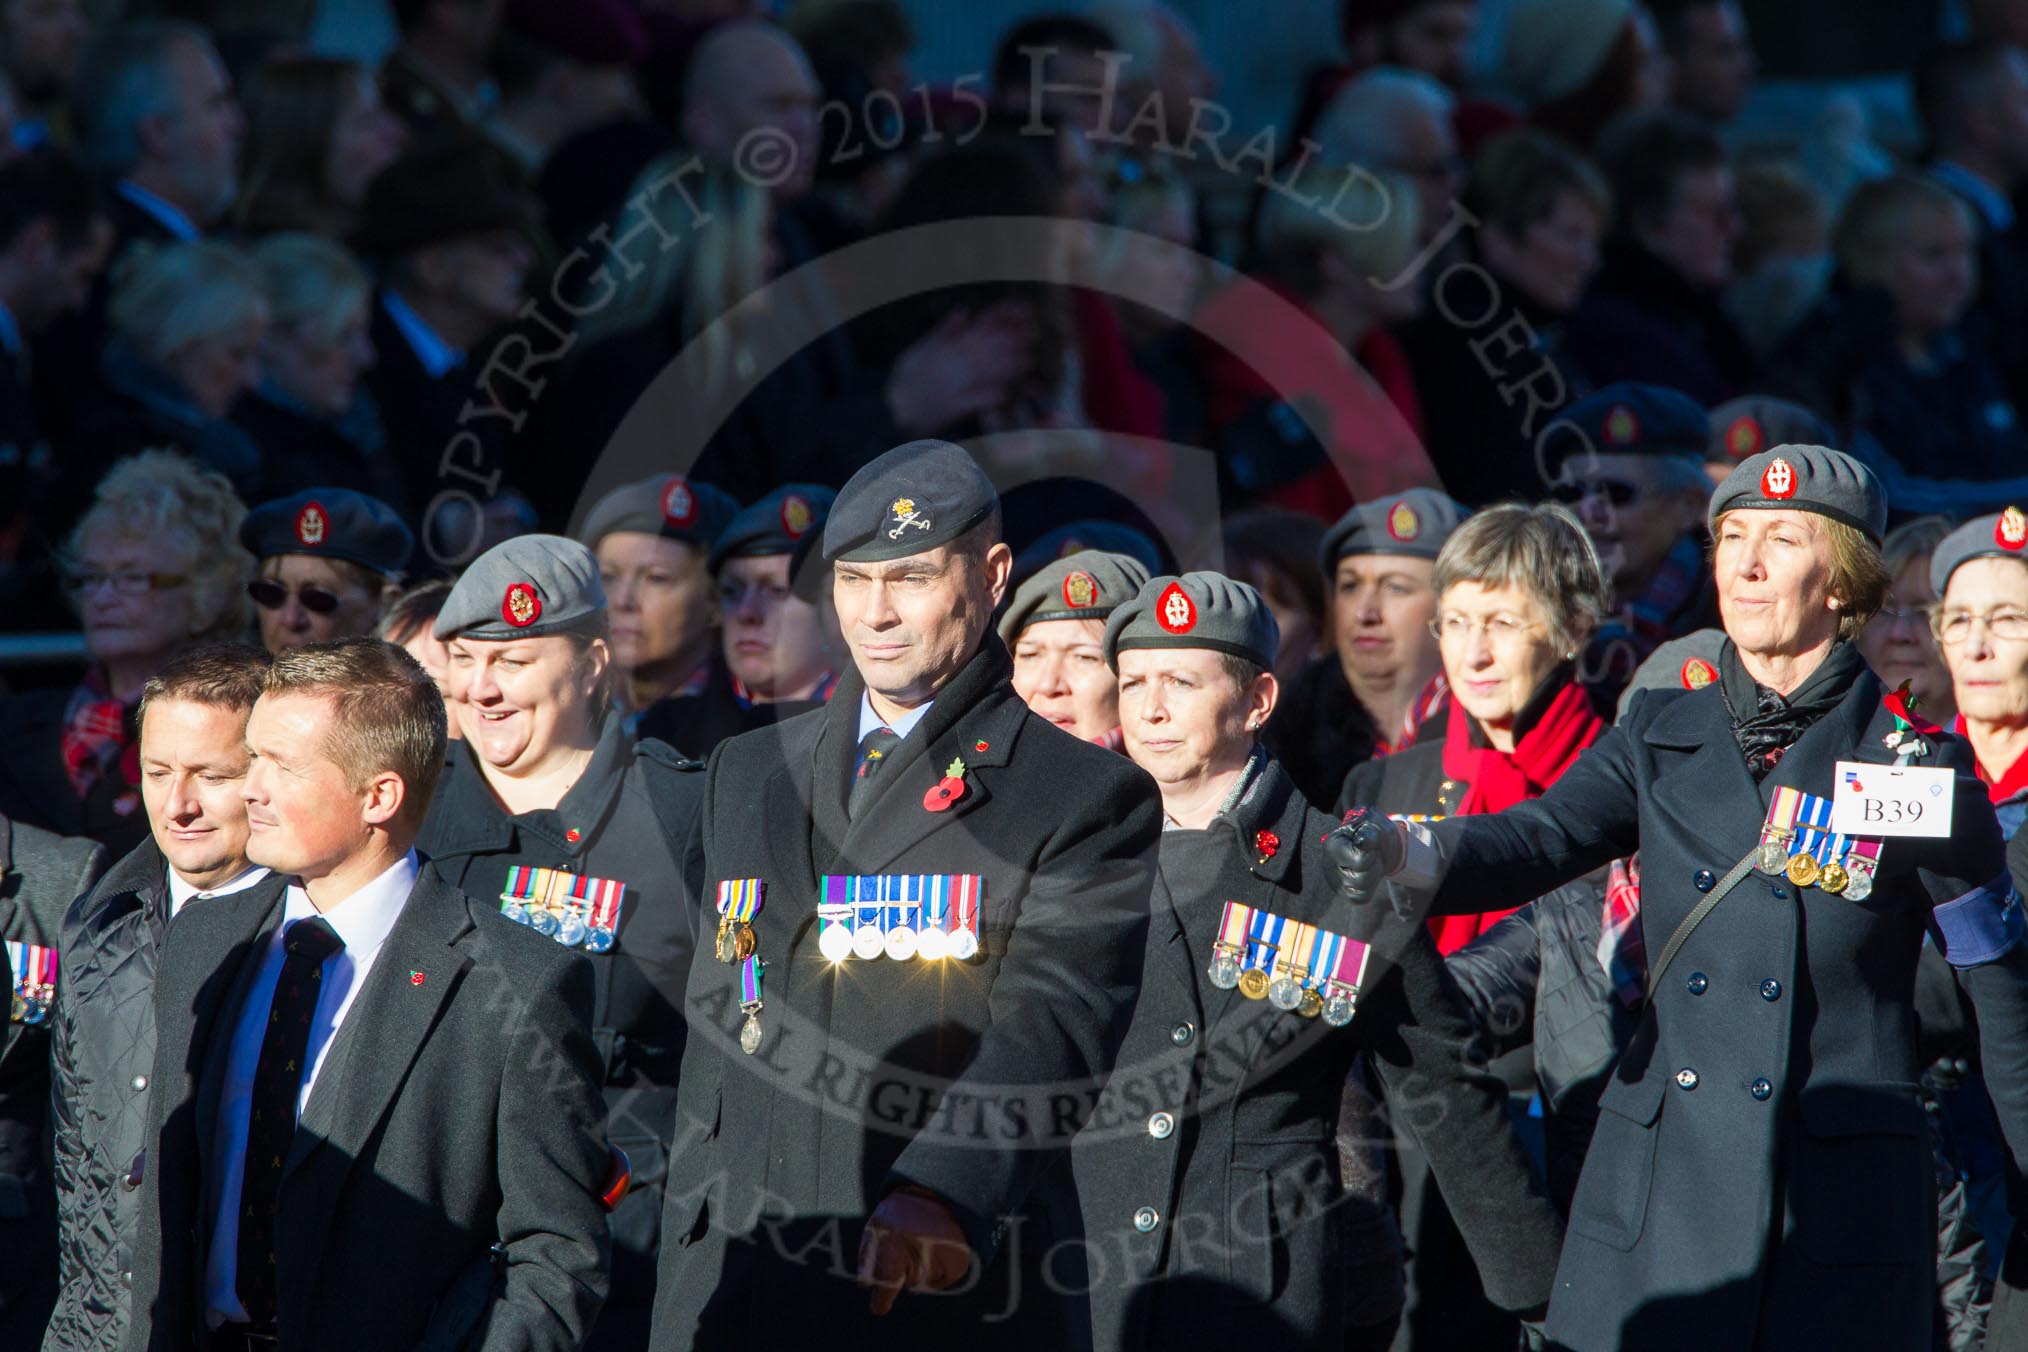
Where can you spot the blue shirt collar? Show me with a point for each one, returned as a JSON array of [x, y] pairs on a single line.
[[10, 332], [170, 218], [1989, 201], [438, 357], [901, 724]]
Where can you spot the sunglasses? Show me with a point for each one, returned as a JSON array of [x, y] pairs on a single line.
[[1618, 492], [269, 594]]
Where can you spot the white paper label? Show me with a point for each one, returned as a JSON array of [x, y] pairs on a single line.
[[1885, 800]]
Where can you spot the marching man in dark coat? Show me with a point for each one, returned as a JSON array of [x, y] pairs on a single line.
[[1761, 1174], [1208, 1174], [928, 909]]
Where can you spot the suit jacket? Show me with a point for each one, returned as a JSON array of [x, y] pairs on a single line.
[[457, 1110], [1761, 1172], [963, 1077]]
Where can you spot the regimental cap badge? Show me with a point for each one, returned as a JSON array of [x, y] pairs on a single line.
[[796, 516], [1622, 428], [2011, 530], [1778, 480], [1080, 590], [521, 607], [1744, 437], [1175, 611], [904, 515], [312, 524], [679, 504], [1402, 522], [1698, 673]]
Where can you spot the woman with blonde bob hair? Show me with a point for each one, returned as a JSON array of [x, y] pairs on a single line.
[[152, 569], [1761, 1173]]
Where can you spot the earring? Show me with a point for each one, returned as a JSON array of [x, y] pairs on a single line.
[[1835, 603]]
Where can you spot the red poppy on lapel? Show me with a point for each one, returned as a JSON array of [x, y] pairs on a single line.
[[1267, 842], [946, 790]]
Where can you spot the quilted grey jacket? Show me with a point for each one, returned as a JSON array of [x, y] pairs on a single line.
[[102, 1046]]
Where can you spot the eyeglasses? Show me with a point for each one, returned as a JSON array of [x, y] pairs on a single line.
[[1898, 614], [269, 594], [123, 584], [1499, 628], [1956, 625], [1618, 492]]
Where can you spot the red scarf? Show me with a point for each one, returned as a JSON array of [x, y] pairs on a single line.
[[95, 735], [1498, 780], [2010, 785]]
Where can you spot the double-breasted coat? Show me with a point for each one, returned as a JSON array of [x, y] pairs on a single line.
[[966, 1078], [1209, 1172], [1761, 1174]]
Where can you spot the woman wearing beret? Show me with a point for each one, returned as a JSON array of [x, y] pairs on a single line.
[[1981, 572], [1056, 627], [1760, 1175], [550, 806]]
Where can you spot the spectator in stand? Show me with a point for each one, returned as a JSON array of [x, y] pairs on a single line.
[[1055, 65], [329, 561], [41, 43], [409, 623], [1656, 312], [746, 76], [1783, 261], [1165, 65], [439, 80], [1711, 59], [1275, 552], [1577, 65], [1433, 37], [1295, 420], [860, 51], [187, 324], [563, 69], [1398, 122], [317, 134], [311, 415], [1899, 642], [1542, 210], [152, 571], [1147, 198], [1889, 352]]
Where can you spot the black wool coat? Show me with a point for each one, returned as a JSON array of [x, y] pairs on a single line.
[[966, 1078]]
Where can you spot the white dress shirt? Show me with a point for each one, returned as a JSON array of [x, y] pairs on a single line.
[[362, 920], [181, 893], [901, 725]]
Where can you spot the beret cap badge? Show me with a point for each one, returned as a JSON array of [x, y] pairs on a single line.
[[1779, 479], [2011, 530], [311, 524], [1402, 521], [679, 504], [796, 516], [1622, 428], [905, 515], [1079, 590], [1175, 611], [521, 607], [1698, 673], [1743, 438]]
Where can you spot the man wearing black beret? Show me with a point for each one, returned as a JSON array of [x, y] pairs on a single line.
[[930, 909]]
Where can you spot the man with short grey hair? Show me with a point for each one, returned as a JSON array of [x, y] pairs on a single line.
[[1391, 120]]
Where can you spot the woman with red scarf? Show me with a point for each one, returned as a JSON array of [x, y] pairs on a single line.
[[1519, 590], [1980, 571]]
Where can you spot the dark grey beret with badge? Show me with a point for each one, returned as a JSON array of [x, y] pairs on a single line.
[[777, 524], [667, 505], [1088, 585], [918, 496], [330, 523], [1196, 610], [1415, 524], [1751, 423], [1805, 479], [1686, 663], [2001, 535], [525, 587], [1628, 418], [1075, 537]]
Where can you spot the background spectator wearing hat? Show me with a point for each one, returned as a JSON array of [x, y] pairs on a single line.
[[329, 559], [1055, 625], [1576, 65], [1751, 423], [653, 539], [1981, 622], [562, 70]]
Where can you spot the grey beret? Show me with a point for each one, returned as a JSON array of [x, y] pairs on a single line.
[[2002, 535], [1415, 523], [777, 524], [1686, 663], [918, 496], [1089, 585], [329, 523], [667, 505], [1805, 479], [523, 588], [1751, 423], [1075, 537], [1196, 610]]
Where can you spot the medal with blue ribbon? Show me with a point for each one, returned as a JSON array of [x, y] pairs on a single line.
[[739, 900], [902, 916], [1324, 951], [1285, 990], [33, 967], [1264, 939]]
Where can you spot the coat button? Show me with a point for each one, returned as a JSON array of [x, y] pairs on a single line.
[[1781, 893], [1146, 1219], [1161, 1125], [1761, 1089], [140, 1083], [1698, 983], [127, 1280], [1686, 1078], [1704, 880], [1182, 1033], [1770, 989]]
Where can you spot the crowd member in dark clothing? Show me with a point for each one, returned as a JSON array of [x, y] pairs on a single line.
[[1055, 627], [317, 133], [1274, 551], [549, 805], [1492, 340], [1711, 58], [438, 79], [1578, 65], [311, 415], [562, 71], [778, 652], [193, 741], [1149, 199], [1894, 351], [1432, 37], [1654, 313], [40, 874]]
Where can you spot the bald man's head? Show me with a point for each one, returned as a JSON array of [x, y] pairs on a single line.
[[750, 101]]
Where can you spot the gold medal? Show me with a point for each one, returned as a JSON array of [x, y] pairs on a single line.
[[1834, 879], [1802, 869], [743, 943], [1253, 983], [1312, 1005]]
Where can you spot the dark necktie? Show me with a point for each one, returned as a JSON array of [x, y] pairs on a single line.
[[874, 749], [271, 1116]]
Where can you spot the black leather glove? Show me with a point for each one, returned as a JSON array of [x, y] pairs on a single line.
[[1367, 847]]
